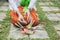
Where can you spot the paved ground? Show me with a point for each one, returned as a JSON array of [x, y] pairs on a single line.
[[2, 16], [3, 7], [51, 12], [16, 33]]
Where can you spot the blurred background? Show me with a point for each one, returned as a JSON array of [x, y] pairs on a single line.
[[46, 8], [3, 0]]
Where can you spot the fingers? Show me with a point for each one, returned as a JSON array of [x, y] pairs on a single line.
[[31, 22], [22, 21], [28, 15], [18, 24]]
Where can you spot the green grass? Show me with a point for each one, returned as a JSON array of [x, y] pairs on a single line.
[[56, 3], [43, 0], [3, 11], [5, 26], [30, 39]]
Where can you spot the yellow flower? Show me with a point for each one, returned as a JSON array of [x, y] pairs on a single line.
[[28, 26]]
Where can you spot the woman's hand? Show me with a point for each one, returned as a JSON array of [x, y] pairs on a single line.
[[20, 18]]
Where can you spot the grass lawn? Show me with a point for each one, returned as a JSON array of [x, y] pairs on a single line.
[[52, 33]]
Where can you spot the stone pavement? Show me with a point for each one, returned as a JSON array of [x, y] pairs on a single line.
[[53, 17], [57, 27], [3, 8], [39, 33], [2, 16], [52, 12]]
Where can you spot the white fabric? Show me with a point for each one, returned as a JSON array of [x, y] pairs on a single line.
[[32, 4], [13, 4]]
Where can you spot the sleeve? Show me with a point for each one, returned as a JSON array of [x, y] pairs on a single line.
[[32, 3], [13, 4]]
